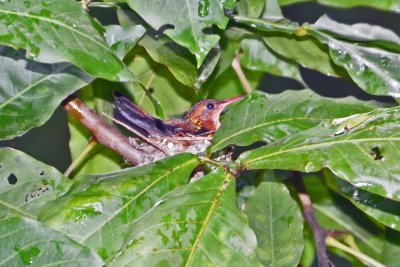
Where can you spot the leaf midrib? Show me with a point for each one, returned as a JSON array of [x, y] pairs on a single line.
[[321, 145], [200, 235]]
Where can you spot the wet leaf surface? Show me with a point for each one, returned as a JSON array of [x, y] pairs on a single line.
[[384, 210], [50, 34], [372, 68], [198, 224], [24, 241], [269, 118], [30, 91], [186, 26], [27, 184], [276, 220], [362, 150], [100, 210]]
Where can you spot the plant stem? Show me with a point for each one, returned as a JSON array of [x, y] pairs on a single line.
[[239, 72], [359, 255], [89, 146], [319, 233], [212, 162]]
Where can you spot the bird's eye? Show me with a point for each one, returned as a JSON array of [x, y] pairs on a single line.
[[210, 106]]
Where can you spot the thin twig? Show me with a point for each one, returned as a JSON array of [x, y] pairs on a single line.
[[104, 133], [359, 255], [319, 233], [239, 72], [89, 146]]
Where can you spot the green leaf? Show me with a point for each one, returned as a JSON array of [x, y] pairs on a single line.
[[174, 97], [269, 118], [276, 220], [179, 61], [392, 5], [100, 210], [188, 21], [123, 39], [250, 8], [25, 242], [361, 149], [27, 184], [391, 248], [49, 36], [268, 24], [372, 69], [383, 210], [305, 51], [198, 224], [257, 56], [30, 92]]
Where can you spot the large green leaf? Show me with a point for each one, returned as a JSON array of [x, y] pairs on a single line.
[[373, 69], [257, 56], [198, 224], [51, 34], [27, 184], [30, 92], [361, 149], [188, 21], [384, 210], [392, 5], [269, 118], [250, 8], [25, 242], [276, 220], [99, 211]]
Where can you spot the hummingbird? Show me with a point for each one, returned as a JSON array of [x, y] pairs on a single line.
[[201, 120]]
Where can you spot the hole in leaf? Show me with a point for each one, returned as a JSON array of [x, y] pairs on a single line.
[[376, 153], [41, 173], [1, 166], [151, 90], [207, 30], [12, 179]]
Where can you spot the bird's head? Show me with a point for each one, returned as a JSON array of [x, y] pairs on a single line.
[[205, 113]]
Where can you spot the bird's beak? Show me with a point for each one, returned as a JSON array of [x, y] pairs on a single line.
[[224, 103]]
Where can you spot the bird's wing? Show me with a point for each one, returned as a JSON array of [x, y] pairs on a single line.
[[138, 121]]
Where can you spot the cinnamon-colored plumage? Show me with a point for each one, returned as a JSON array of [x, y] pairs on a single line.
[[201, 120]]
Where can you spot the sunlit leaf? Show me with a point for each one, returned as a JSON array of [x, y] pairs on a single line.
[[276, 220], [27, 184], [188, 21], [269, 118], [30, 91], [50, 35], [250, 8], [121, 39], [100, 210], [198, 224], [24, 241], [361, 149]]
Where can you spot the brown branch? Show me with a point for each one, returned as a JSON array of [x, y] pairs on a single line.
[[104, 133], [319, 233], [239, 72]]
